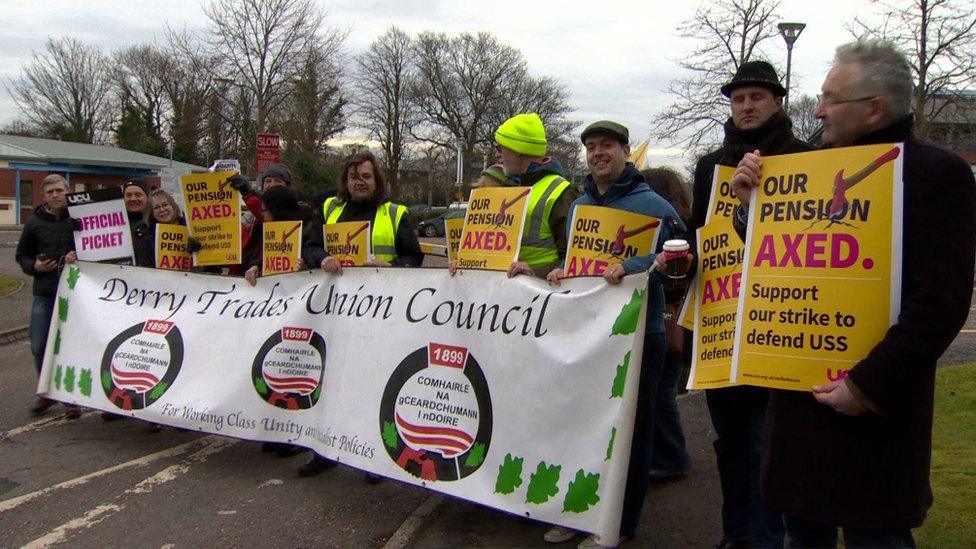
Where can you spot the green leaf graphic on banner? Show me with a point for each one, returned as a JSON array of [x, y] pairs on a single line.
[[73, 277], [57, 342], [158, 390], [542, 483], [509, 475], [261, 386], [57, 377], [620, 379], [317, 392], [106, 380], [84, 384], [69, 379], [626, 322], [581, 494], [477, 455], [613, 437], [390, 437], [63, 309]]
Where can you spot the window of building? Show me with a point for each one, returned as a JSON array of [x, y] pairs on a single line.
[[26, 193]]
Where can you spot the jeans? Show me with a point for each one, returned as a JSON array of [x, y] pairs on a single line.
[[670, 454], [642, 445], [802, 533], [40, 320], [737, 415]]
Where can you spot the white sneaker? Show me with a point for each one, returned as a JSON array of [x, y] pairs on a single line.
[[594, 542], [558, 534]]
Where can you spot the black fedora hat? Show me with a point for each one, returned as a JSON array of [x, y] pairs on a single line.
[[755, 73]]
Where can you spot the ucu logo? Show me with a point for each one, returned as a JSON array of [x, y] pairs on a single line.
[[79, 198], [841, 374]]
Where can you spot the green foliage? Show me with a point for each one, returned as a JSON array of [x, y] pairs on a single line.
[[9, 285], [476, 456], [543, 483], [613, 437], [620, 380], [69, 379], [581, 494], [73, 275], [63, 309], [390, 437], [261, 386], [136, 131], [509, 475], [57, 377], [85, 382], [953, 473], [158, 390], [626, 322]]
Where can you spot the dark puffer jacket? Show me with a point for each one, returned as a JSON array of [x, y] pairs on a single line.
[[45, 233]]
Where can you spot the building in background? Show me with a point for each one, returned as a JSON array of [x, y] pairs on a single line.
[[25, 161]]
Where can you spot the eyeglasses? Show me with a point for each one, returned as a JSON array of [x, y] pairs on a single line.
[[831, 102], [161, 207]]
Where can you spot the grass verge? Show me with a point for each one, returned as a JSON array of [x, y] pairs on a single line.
[[952, 519], [9, 285]]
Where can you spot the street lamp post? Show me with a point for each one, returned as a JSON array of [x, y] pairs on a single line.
[[460, 168], [790, 32]]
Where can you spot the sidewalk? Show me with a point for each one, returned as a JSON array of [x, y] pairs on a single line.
[[683, 513]]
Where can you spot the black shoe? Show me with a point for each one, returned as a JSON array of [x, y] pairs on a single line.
[[288, 450], [109, 416], [42, 405], [726, 543], [155, 427], [373, 479], [74, 412], [316, 465]]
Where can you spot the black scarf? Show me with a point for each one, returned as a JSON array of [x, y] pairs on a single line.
[[773, 137]]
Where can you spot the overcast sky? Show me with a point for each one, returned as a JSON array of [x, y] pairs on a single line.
[[616, 57]]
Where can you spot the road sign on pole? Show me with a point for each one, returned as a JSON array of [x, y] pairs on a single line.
[[268, 151]]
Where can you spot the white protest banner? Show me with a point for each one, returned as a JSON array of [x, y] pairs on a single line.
[[104, 234], [477, 386]]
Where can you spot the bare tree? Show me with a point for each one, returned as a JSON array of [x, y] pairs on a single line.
[[727, 33], [65, 91], [384, 74], [263, 45], [805, 126], [467, 84], [939, 38], [139, 73], [189, 91]]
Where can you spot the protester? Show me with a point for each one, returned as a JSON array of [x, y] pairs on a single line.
[[855, 453], [363, 197], [737, 413], [615, 183], [135, 194], [162, 208], [280, 204], [493, 176], [45, 244], [670, 458]]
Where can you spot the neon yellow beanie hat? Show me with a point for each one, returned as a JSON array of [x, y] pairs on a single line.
[[524, 134]]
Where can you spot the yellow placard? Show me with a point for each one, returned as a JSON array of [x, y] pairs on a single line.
[[171, 252], [454, 229], [720, 254], [822, 276], [213, 214], [282, 247], [686, 315], [600, 237], [348, 241], [493, 228], [721, 202]]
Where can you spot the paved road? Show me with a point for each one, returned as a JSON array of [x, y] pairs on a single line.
[[91, 483]]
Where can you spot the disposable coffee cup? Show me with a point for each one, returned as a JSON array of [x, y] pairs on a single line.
[[675, 252]]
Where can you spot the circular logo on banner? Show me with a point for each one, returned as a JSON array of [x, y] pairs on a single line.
[[435, 416], [289, 368], [141, 363]]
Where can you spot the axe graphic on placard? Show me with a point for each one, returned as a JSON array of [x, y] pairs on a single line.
[[839, 204], [622, 234], [500, 216]]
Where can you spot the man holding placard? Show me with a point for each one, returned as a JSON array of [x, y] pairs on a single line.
[[855, 453], [618, 197]]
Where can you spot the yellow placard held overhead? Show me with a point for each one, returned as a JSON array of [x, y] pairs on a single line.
[[600, 237], [171, 252], [822, 276], [454, 229], [213, 214], [349, 242], [282, 247], [493, 228]]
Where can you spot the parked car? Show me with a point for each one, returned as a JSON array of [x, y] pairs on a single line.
[[435, 226]]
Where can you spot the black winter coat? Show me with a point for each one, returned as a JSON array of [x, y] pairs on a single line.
[[871, 472], [49, 234]]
